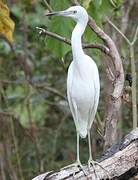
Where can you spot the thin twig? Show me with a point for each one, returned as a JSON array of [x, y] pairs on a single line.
[[16, 149], [118, 30], [50, 89], [123, 35], [57, 133], [2, 171], [37, 86], [134, 87], [48, 6], [135, 37], [43, 31]]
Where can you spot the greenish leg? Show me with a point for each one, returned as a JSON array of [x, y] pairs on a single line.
[[91, 161]]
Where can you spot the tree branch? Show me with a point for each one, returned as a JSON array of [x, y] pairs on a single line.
[[120, 161], [133, 70], [114, 102], [116, 28], [101, 47], [48, 6]]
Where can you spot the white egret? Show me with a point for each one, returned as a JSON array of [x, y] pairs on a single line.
[[83, 85]]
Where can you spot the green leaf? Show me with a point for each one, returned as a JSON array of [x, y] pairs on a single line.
[[105, 9], [59, 25], [94, 8], [86, 3], [16, 10], [97, 3]]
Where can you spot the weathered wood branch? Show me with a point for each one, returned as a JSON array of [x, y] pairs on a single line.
[[114, 102], [120, 160]]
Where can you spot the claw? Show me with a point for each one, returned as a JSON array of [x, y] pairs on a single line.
[[90, 162], [93, 163]]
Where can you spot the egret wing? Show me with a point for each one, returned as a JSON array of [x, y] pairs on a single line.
[[94, 104], [69, 87]]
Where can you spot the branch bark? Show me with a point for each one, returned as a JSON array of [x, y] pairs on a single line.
[[115, 102], [133, 70], [121, 162]]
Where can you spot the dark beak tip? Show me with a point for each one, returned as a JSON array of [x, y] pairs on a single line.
[[51, 14]]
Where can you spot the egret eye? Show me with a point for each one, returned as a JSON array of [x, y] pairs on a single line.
[[74, 12]]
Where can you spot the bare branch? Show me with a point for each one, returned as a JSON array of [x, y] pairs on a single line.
[[50, 89], [37, 86], [133, 70], [48, 6], [43, 31], [116, 28], [119, 161], [134, 87], [101, 47], [135, 37], [114, 102], [123, 35]]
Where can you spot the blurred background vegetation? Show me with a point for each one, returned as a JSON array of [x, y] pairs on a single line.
[[37, 133]]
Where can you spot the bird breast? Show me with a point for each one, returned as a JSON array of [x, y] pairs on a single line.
[[81, 90], [82, 83]]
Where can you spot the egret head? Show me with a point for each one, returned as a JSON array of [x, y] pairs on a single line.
[[78, 13]]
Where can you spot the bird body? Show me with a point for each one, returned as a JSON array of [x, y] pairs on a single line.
[[83, 85], [83, 93]]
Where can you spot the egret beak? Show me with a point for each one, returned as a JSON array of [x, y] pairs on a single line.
[[59, 13]]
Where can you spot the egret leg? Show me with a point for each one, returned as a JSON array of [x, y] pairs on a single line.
[[77, 163], [78, 147], [92, 162]]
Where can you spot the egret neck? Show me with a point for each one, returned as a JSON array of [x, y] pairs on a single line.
[[76, 43]]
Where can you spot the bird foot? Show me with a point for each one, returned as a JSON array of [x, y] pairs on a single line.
[[93, 164], [77, 164]]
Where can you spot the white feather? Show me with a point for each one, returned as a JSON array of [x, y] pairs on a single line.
[[83, 93], [83, 84]]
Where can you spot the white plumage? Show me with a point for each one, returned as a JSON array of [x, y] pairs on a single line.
[[83, 84], [83, 78], [83, 93]]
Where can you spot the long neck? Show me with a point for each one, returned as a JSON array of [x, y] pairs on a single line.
[[76, 40]]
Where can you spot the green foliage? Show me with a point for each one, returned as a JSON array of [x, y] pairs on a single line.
[[44, 129], [64, 26], [61, 26], [104, 7], [97, 4]]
